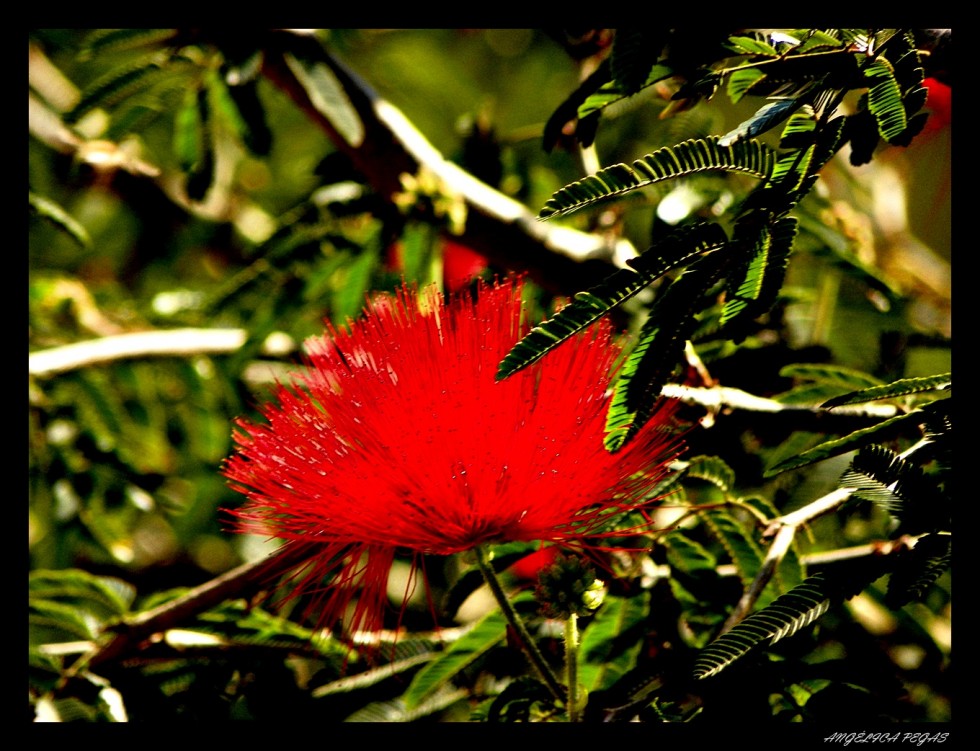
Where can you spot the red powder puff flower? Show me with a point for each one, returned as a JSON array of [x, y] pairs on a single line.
[[400, 438], [938, 103], [460, 265]]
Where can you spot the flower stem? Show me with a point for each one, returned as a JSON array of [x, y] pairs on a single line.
[[571, 665], [531, 650]]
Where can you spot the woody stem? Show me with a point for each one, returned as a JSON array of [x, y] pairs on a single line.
[[531, 650], [571, 665]]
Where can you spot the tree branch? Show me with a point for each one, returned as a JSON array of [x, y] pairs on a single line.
[[716, 399], [131, 633], [107, 349], [190, 341], [783, 529], [388, 146]]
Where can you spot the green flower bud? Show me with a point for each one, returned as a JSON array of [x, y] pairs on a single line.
[[568, 587]]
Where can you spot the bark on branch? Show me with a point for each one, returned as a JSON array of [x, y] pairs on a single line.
[[558, 258]]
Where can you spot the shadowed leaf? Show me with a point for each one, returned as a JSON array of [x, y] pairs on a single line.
[[851, 442], [787, 614], [54, 213], [892, 390], [485, 635], [328, 96], [588, 307], [686, 158]]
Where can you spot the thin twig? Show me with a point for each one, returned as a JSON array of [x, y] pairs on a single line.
[[528, 646], [717, 398], [654, 572], [782, 530]]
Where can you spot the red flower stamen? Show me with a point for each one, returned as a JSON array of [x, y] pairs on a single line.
[[400, 438]]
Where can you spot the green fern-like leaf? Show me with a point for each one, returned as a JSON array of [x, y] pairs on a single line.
[[686, 158], [54, 213], [738, 540], [60, 622], [604, 661], [372, 677], [585, 309], [112, 596], [765, 118], [883, 431], [116, 86], [815, 39], [659, 350], [741, 81], [71, 604], [611, 92], [678, 248], [795, 172], [639, 376], [874, 474], [909, 76], [711, 469], [751, 285], [101, 41], [485, 635], [189, 134], [588, 307], [568, 109], [327, 94], [751, 45], [398, 711], [634, 53], [830, 376], [800, 129], [885, 99], [763, 276], [893, 390], [224, 106], [257, 136], [804, 64], [787, 614], [901, 487], [687, 555], [791, 169], [916, 570]]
